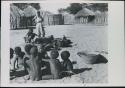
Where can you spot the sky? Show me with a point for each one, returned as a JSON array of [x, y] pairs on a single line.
[[53, 7]]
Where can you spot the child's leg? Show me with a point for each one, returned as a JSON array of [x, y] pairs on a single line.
[[38, 27], [43, 31]]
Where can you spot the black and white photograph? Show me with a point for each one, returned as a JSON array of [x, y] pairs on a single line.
[[59, 42], [62, 43]]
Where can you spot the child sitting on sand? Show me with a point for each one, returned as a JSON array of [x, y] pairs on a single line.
[[34, 65], [55, 65], [30, 36], [66, 64], [18, 57], [27, 56]]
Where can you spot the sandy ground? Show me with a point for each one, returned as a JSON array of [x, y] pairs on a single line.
[[88, 38]]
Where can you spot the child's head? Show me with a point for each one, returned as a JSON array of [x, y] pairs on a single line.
[[31, 30], [54, 54], [65, 55], [34, 51], [17, 50], [28, 48], [11, 53], [40, 48]]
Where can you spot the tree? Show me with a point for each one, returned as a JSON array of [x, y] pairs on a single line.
[[22, 6], [74, 8], [100, 6], [35, 5]]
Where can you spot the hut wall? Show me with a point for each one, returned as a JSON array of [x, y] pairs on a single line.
[[82, 20], [58, 19], [101, 19], [48, 19], [68, 19]]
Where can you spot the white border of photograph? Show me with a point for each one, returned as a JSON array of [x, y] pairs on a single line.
[[116, 57]]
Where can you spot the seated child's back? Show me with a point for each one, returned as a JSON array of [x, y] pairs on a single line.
[[67, 64]]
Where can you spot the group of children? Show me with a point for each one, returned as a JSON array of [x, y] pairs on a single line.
[[38, 64], [49, 41]]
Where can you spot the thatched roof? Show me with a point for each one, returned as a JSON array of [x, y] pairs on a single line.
[[45, 13], [105, 13], [30, 11], [97, 12], [15, 11], [84, 12]]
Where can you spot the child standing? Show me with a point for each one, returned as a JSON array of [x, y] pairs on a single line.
[[27, 56], [34, 65]]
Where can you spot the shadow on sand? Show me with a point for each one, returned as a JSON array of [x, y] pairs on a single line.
[[15, 74]]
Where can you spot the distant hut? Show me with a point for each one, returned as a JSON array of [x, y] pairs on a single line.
[[29, 13], [15, 17], [58, 19], [84, 16], [68, 18], [98, 17], [105, 17], [48, 17]]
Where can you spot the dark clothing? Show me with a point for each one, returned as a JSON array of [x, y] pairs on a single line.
[[31, 35]]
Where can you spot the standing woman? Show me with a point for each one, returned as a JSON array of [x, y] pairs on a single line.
[[39, 24]]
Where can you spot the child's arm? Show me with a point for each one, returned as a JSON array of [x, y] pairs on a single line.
[[34, 18], [46, 60], [42, 68], [14, 62], [69, 67]]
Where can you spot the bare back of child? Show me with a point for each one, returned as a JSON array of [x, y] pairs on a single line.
[[27, 56], [34, 65]]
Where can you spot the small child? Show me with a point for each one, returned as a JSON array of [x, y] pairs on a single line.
[[55, 65], [67, 64], [33, 65], [27, 56], [30, 36], [19, 55]]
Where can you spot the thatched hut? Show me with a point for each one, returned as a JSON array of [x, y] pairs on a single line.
[[15, 17], [105, 17], [101, 17], [84, 16], [98, 17], [29, 13]]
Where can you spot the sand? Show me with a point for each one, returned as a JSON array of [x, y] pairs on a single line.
[[87, 38]]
